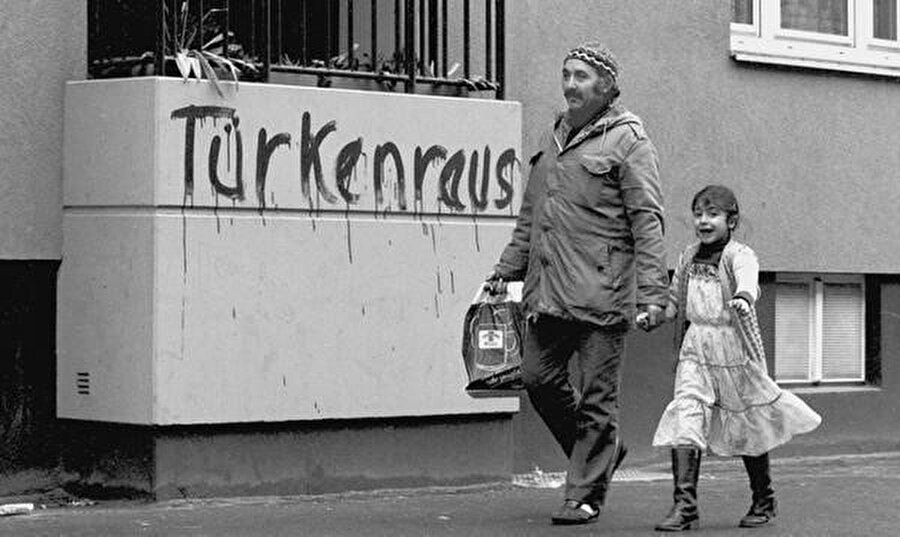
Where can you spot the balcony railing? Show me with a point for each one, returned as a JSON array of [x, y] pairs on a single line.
[[395, 43]]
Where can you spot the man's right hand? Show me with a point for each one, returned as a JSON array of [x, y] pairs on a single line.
[[494, 284]]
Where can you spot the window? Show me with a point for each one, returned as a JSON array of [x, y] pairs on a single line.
[[845, 35], [820, 329]]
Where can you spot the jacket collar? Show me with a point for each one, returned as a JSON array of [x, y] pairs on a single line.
[[615, 114]]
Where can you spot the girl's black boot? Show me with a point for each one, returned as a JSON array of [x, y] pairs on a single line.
[[684, 514], [764, 507]]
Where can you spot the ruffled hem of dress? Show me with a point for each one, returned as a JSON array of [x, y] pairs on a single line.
[[753, 431]]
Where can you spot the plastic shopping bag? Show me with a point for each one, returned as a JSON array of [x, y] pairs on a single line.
[[493, 333]]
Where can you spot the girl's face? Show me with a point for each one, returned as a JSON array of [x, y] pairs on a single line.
[[712, 224]]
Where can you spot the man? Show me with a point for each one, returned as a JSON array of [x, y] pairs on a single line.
[[588, 243]]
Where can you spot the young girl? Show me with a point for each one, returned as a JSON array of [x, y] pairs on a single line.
[[724, 400]]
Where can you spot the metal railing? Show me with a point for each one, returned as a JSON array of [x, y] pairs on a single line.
[[453, 43]]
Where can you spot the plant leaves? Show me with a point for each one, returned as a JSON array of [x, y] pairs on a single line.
[[183, 63], [226, 63], [210, 73]]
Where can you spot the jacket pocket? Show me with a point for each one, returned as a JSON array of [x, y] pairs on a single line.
[[601, 286], [602, 167], [613, 293], [597, 181]]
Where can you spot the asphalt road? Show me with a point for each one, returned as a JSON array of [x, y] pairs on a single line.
[[855, 495]]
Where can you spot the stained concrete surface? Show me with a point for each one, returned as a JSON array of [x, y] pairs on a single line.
[[842, 495]]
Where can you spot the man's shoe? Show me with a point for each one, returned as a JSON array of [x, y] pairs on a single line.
[[575, 512]]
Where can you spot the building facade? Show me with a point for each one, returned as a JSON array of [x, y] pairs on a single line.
[[175, 370]]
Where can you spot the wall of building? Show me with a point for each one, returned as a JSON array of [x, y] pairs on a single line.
[[811, 154], [806, 150], [43, 45]]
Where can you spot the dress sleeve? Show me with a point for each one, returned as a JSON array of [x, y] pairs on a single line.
[[745, 266], [673, 303]]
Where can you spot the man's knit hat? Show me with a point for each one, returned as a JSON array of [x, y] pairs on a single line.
[[597, 56]]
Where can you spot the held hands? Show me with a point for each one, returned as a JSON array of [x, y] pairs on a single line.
[[649, 317]]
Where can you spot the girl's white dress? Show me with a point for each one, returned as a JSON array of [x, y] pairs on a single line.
[[725, 402]]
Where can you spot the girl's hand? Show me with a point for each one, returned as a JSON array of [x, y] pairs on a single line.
[[741, 306], [649, 317], [671, 312]]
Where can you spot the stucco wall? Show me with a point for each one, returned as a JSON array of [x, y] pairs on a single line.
[[812, 154], [43, 45]]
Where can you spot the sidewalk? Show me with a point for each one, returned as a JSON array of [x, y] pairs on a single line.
[[855, 495]]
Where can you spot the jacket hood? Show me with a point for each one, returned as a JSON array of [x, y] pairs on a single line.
[[616, 115]]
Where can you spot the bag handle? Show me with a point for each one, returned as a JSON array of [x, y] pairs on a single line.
[[512, 292]]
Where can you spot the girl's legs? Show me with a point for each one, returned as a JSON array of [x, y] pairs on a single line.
[[764, 507], [684, 514]]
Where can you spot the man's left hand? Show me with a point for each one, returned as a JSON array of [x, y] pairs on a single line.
[[649, 317]]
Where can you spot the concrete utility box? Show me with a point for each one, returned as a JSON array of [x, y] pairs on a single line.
[[282, 253]]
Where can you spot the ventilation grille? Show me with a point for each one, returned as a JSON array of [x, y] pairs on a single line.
[[83, 382]]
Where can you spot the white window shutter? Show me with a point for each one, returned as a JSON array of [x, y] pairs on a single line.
[[842, 332], [792, 322]]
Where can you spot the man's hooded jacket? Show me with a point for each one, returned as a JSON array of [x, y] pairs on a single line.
[[588, 241]]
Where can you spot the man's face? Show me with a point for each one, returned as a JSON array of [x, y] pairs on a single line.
[[583, 88]]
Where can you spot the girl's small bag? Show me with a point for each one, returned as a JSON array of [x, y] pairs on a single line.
[[493, 332]]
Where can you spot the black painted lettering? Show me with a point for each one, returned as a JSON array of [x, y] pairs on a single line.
[[310, 158], [346, 163], [264, 150], [507, 159], [383, 151], [191, 114], [420, 166], [451, 175], [237, 191], [476, 194]]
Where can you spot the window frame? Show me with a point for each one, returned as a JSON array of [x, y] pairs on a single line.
[[878, 43], [815, 360], [859, 51]]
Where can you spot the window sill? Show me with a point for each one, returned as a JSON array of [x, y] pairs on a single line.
[[814, 55], [823, 389]]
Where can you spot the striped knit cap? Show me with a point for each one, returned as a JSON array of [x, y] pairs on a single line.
[[597, 56]]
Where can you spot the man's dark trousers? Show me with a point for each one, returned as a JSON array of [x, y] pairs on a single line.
[[583, 418]]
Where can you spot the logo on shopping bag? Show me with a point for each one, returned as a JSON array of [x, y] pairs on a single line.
[[490, 339]]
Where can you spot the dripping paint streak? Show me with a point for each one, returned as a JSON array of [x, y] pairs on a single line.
[[183, 306], [437, 307], [477, 239], [216, 213], [452, 283], [437, 275], [184, 242], [349, 240]]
